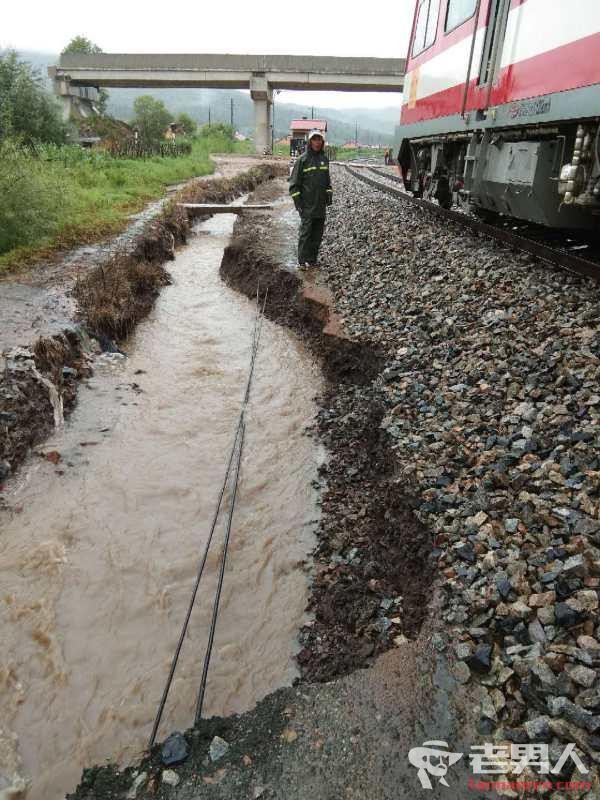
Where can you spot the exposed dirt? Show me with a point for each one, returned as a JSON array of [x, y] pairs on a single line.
[[27, 415], [251, 260], [374, 572]]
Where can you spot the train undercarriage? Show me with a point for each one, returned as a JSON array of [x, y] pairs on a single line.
[[547, 175]]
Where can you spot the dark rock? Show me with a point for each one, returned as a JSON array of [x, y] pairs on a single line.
[[503, 585], [466, 553], [567, 616], [480, 660], [175, 749], [538, 729]]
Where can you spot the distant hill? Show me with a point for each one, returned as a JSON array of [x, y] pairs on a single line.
[[375, 125]]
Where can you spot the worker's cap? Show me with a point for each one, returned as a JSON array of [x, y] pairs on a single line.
[[314, 133]]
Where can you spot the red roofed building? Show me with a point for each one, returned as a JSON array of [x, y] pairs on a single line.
[[303, 126], [299, 130]]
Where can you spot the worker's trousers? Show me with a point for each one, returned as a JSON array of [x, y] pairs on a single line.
[[309, 239]]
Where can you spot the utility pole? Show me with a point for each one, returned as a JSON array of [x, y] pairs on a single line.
[[356, 133], [231, 114], [209, 116], [312, 112]]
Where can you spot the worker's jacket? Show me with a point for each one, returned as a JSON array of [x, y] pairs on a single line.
[[310, 186]]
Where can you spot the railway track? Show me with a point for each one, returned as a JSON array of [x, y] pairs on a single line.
[[545, 252]]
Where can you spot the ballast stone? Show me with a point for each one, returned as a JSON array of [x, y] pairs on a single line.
[[494, 422], [170, 777], [175, 749], [218, 748]]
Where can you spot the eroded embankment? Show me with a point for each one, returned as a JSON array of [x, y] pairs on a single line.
[[99, 553], [373, 584], [112, 299], [373, 574]]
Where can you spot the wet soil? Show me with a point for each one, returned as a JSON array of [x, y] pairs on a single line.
[[253, 258], [27, 415]]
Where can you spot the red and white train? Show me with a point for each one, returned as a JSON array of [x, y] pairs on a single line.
[[502, 107]]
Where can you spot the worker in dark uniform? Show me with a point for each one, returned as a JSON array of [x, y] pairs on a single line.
[[310, 189]]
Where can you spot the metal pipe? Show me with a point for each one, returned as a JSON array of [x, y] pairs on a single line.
[[468, 78]]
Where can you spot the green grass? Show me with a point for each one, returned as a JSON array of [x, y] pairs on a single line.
[[68, 196], [361, 152], [340, 154], [281, 149]]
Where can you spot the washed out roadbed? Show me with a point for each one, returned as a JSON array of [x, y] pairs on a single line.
[[469, 450], [344, 731], [373, 571], [63, 319]]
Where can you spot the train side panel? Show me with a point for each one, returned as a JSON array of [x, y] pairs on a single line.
[[523, 74]]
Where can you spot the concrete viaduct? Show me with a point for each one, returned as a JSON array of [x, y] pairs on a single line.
[[77, 77]]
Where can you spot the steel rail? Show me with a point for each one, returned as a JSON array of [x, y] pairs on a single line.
[[566, 261]]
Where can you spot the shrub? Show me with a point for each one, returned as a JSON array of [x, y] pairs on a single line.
[[33, 198], [217, 129], [27, 110]]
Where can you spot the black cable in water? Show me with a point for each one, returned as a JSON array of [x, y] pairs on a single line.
[[240, 425], [213, 623], [184, 628]]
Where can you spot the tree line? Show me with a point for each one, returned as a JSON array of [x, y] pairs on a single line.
[[30, 113]]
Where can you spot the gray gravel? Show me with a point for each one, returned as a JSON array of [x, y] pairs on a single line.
[[493, 405]]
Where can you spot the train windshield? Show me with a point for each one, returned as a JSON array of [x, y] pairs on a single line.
[[458, 12], [426, 27]]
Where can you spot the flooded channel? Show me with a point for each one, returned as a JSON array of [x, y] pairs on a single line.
[[99, 552]]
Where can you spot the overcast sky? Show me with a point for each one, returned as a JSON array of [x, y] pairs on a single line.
[[330, 27]]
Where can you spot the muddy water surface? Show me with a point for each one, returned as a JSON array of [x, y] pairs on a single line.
[[99, 552]]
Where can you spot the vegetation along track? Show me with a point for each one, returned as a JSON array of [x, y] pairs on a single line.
[[540, 249]]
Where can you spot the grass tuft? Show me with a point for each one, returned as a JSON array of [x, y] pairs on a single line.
[[61, 197]]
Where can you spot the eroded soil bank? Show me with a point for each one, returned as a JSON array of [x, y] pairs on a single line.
[[367, 574], [100, 545], [342, 732], [49, 314]]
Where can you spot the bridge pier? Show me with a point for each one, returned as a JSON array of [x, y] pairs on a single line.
[[262, 96], [80, 98], [62, 91]]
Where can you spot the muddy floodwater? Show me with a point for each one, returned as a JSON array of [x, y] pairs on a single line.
[[99, 552]]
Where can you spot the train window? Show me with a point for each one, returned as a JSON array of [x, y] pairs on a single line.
[[459, 11], [426, 27]]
